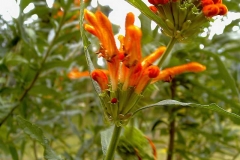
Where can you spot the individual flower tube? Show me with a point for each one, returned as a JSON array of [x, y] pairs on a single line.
[[169, 73]]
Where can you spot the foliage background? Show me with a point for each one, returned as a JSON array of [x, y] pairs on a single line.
[[35, 59]]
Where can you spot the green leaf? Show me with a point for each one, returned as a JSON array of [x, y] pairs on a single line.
[[24, 4], [139, 4], [32, 130], [226, 76], [172, 103], [5, 109], [106, 138], [14, 59], [13, 152], [37, 134]]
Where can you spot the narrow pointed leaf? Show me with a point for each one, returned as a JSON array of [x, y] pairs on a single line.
[[174, 103], [226, 76]]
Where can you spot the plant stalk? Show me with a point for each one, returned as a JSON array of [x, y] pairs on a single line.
[[113, 143], [167, 51], [171, 140], [172, 125]]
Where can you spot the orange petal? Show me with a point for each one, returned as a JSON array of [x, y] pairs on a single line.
[[149, 60], [169, 73], [106, 36], [132, 46], [90, 29], [129, 19], [146, 76], [75, 74]]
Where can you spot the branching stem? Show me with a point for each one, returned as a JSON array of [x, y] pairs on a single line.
[[167, 51]]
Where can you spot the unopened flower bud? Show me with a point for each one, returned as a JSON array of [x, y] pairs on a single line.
[[210, 10], [222, 9], [101, 78]]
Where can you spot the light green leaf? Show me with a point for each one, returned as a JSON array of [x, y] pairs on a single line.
[[106, 138], [172, 103], [37, 134], [86, 43]]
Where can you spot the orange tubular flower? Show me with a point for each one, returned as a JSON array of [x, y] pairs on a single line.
[[76, 74], [101, 78], [169, 73], [149, 60], [102, 28], [132, 46]]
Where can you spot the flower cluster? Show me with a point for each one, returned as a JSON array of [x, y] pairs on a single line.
[[128, 73], [213, 7], [183, 18]]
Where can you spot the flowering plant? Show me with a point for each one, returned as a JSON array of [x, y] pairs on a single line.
[[129, 73]]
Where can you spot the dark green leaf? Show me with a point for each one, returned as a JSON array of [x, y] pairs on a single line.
[[226, 76], [13, 152], [24, 4]]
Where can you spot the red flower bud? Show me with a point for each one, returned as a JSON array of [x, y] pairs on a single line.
[[210, 10], [222, 9], [153, 71], [153, 9]]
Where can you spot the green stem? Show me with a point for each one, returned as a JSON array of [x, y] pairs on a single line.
[[167, 51], [113, 143]]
